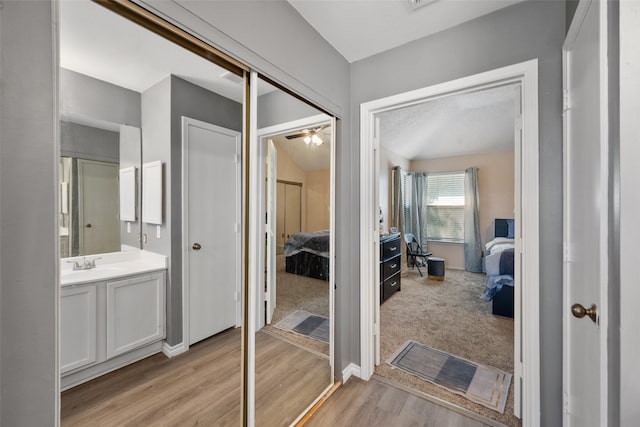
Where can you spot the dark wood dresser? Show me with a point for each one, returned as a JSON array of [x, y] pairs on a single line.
[[389, 265]]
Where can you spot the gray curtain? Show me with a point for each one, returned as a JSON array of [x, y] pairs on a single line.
[[419, 208], [472, 244], [410, 204]]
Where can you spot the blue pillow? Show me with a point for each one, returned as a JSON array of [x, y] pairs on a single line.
[[511, 227]]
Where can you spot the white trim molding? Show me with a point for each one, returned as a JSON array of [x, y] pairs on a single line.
[[527, 314], [351, 370], [173, 350]]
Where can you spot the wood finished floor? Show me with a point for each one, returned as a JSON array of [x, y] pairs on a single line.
[[374, 403], [201, 387]]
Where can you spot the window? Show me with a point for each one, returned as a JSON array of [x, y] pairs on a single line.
[[445, 207]]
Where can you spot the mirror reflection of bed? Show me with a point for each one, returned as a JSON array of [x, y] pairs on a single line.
[[294, 321]]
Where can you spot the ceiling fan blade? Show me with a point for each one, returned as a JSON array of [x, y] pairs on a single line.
[[296, 135]]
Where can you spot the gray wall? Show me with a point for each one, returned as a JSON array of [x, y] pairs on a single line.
[[79, 93], [515, 34], [90, 143], [156, 145], [279, 107], [28, 222]]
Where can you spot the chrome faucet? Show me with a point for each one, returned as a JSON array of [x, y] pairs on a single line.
[[85, 265]]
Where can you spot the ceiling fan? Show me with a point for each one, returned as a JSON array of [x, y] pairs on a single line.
[[310, 135]]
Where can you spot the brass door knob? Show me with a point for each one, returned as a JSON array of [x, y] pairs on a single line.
[[579, 311], [196, 246]]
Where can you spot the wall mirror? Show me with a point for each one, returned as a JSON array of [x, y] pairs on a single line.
[[98, 140], [294, 322], [130, 97]]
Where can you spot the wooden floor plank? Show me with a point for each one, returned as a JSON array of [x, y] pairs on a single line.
[[201, 387], [374, 403]]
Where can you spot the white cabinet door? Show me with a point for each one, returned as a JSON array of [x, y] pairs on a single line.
[[77, 327], [135, 312]]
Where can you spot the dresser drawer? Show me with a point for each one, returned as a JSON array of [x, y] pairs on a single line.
[[390, 249], [391, 285], [389, 268]]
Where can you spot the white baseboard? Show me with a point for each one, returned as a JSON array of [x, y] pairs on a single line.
[[173, 350], [351, 370]]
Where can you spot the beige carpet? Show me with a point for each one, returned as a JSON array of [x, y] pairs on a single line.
[[294, 292], [448, 316]]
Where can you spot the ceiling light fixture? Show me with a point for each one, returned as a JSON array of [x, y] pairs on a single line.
[[313, 138]]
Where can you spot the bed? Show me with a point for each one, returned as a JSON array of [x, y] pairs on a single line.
[[307, 254], [499, 266]]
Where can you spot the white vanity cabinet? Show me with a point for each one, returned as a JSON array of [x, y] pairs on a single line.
[[78, 334], [110, 323], [135, 313]]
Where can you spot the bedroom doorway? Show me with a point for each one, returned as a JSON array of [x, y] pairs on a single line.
[[525, 357], [443, 309]]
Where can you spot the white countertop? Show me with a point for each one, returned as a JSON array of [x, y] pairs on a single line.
[[111, 266]]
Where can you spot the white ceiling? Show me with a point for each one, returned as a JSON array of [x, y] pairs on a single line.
[[361, 28], [97, 42], [308, 157], [455, 125]]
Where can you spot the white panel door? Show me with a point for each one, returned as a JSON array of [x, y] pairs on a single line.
[[212, 213], [77, 327], [135, 313], [272, 167], [98, 207], [586, 218]]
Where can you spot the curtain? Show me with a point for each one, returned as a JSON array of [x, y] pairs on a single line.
[[419, 208], [409, 206], [472, 244]]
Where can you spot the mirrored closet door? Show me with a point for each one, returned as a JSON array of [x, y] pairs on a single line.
[[151, 226], [294, 314]]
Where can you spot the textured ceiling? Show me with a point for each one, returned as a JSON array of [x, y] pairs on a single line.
[[455, 125], [361, 28]]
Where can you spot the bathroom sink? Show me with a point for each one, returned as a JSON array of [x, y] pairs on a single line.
[[98, 273], [111, 265]]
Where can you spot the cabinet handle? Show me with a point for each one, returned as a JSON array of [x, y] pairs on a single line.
[[393, 248], [393, 265], [393, 284]]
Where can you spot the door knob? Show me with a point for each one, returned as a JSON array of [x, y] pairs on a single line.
[[579, 311], [196, 246], [88, 225]]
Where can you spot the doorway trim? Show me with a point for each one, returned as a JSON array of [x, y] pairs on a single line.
[[186, 122], [526, 314]]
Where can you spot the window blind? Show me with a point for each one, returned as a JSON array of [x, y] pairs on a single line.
[[445, 206]]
